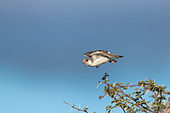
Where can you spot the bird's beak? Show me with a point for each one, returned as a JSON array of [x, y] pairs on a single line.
[[84, 61]]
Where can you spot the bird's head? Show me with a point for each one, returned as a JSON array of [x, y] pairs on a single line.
[[87, 61]]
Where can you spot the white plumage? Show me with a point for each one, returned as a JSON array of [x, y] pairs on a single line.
[[98, 57]]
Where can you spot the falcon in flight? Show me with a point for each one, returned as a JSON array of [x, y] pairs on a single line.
[[98, 57]]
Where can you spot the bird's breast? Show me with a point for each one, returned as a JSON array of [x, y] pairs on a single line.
[[99, 61]]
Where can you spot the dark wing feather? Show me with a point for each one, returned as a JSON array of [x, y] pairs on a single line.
[[95, 52], [102, 53]]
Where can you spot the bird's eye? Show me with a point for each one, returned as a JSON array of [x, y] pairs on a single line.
[[86, 60]]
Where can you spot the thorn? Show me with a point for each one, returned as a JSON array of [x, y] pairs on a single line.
[[99, 84], [70, 110], [79, 106], [114, 84], [105, 96], [146, 92]]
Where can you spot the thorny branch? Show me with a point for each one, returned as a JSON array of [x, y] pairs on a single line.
[[124, 99], [134, 102], [120, 105], [109, 85], [78, 109], [167, 110]]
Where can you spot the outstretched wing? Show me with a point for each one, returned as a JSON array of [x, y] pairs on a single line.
[[102, 53], [89, 54]]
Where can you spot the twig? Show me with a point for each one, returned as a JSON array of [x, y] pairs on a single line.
[[75, 107], [147, 108], [123, 94], [109, 85], [120, 105], [167, 110]]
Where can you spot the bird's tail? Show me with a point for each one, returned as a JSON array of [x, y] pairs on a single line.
[[120, 56], [116, 56]]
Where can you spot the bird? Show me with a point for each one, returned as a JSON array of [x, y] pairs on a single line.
[[99, 57]]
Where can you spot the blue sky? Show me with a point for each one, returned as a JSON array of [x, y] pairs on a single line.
[[42, 43]]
